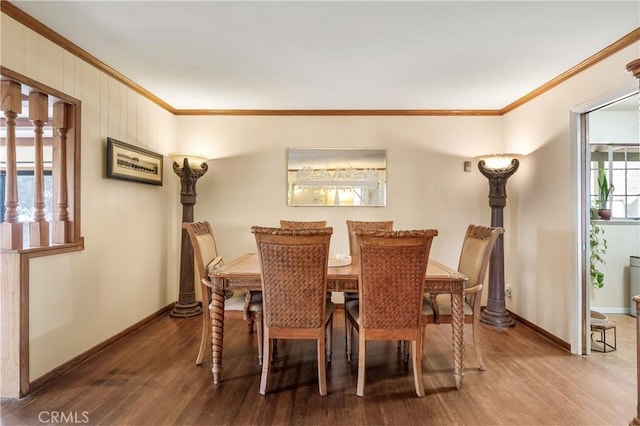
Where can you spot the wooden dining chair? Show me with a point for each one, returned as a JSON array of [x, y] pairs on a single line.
[[295, 224], [393, 265], [354, 225], [206, 258], [294, 266], [474, 260], [253, 303], [354, 247]]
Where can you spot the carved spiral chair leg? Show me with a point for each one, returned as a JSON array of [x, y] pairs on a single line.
[[217, 323], [458, 355]]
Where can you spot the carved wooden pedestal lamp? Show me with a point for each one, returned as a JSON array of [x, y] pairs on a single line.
[[193, 167], [497, 168]]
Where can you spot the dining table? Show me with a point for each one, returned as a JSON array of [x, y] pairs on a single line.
[[243, 273]]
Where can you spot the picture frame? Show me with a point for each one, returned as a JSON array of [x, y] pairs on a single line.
[[130, 162]]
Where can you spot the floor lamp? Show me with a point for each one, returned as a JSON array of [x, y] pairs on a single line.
[[193, 167], [497, 168]]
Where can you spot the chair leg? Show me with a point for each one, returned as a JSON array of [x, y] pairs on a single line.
[[416, 351], [260, 342], [361, 364], [322, 366], [424, 336], [436, 308], [403, 349], [274, 349], [266, 363], [476, 342], [246, 313], [346, 327], [329, 337], [349, 336], [206, 336]]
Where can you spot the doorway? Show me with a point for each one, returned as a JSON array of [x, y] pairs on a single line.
[[609, 155]]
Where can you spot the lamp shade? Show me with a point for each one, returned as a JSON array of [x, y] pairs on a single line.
[[498, 161], [195, 160]]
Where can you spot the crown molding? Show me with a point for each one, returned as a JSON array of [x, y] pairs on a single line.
[[28, 21], [340, 112], [615, 47]]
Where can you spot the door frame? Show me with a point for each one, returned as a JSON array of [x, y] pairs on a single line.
[[580, 171]]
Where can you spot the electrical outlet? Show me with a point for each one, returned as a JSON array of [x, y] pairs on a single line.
[[507, 291]]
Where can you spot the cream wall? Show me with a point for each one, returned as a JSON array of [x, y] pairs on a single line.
[[127, 270], [542, 244], [426, 185]]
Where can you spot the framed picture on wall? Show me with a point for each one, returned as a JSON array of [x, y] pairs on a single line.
[[130, 162]]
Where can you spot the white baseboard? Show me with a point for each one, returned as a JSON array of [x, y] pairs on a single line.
[[612, 310]]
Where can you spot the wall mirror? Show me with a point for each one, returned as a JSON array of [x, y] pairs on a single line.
[[336, 176]]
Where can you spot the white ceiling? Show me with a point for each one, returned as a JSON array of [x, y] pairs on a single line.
[[339, 54]]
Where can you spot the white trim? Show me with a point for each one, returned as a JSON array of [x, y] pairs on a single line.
[[612, 310], [575, 333], [605, 100], [580, 244]]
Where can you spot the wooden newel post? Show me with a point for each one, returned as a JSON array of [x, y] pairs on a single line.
[[61, 229], [11, 105], [634, 67], [187, 306], [39, 115]]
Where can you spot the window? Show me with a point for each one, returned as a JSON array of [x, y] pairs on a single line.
[[25, 198], [621, 163]]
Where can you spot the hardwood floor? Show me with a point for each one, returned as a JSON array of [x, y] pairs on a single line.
[[150, 378]]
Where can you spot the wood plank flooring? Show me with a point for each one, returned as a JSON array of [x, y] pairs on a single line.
[[150, 378]]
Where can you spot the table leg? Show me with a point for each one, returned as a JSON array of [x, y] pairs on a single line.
[[217, 329], [457, 329]]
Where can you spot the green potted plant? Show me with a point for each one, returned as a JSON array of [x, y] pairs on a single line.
[[604, 193], [598, 245]]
